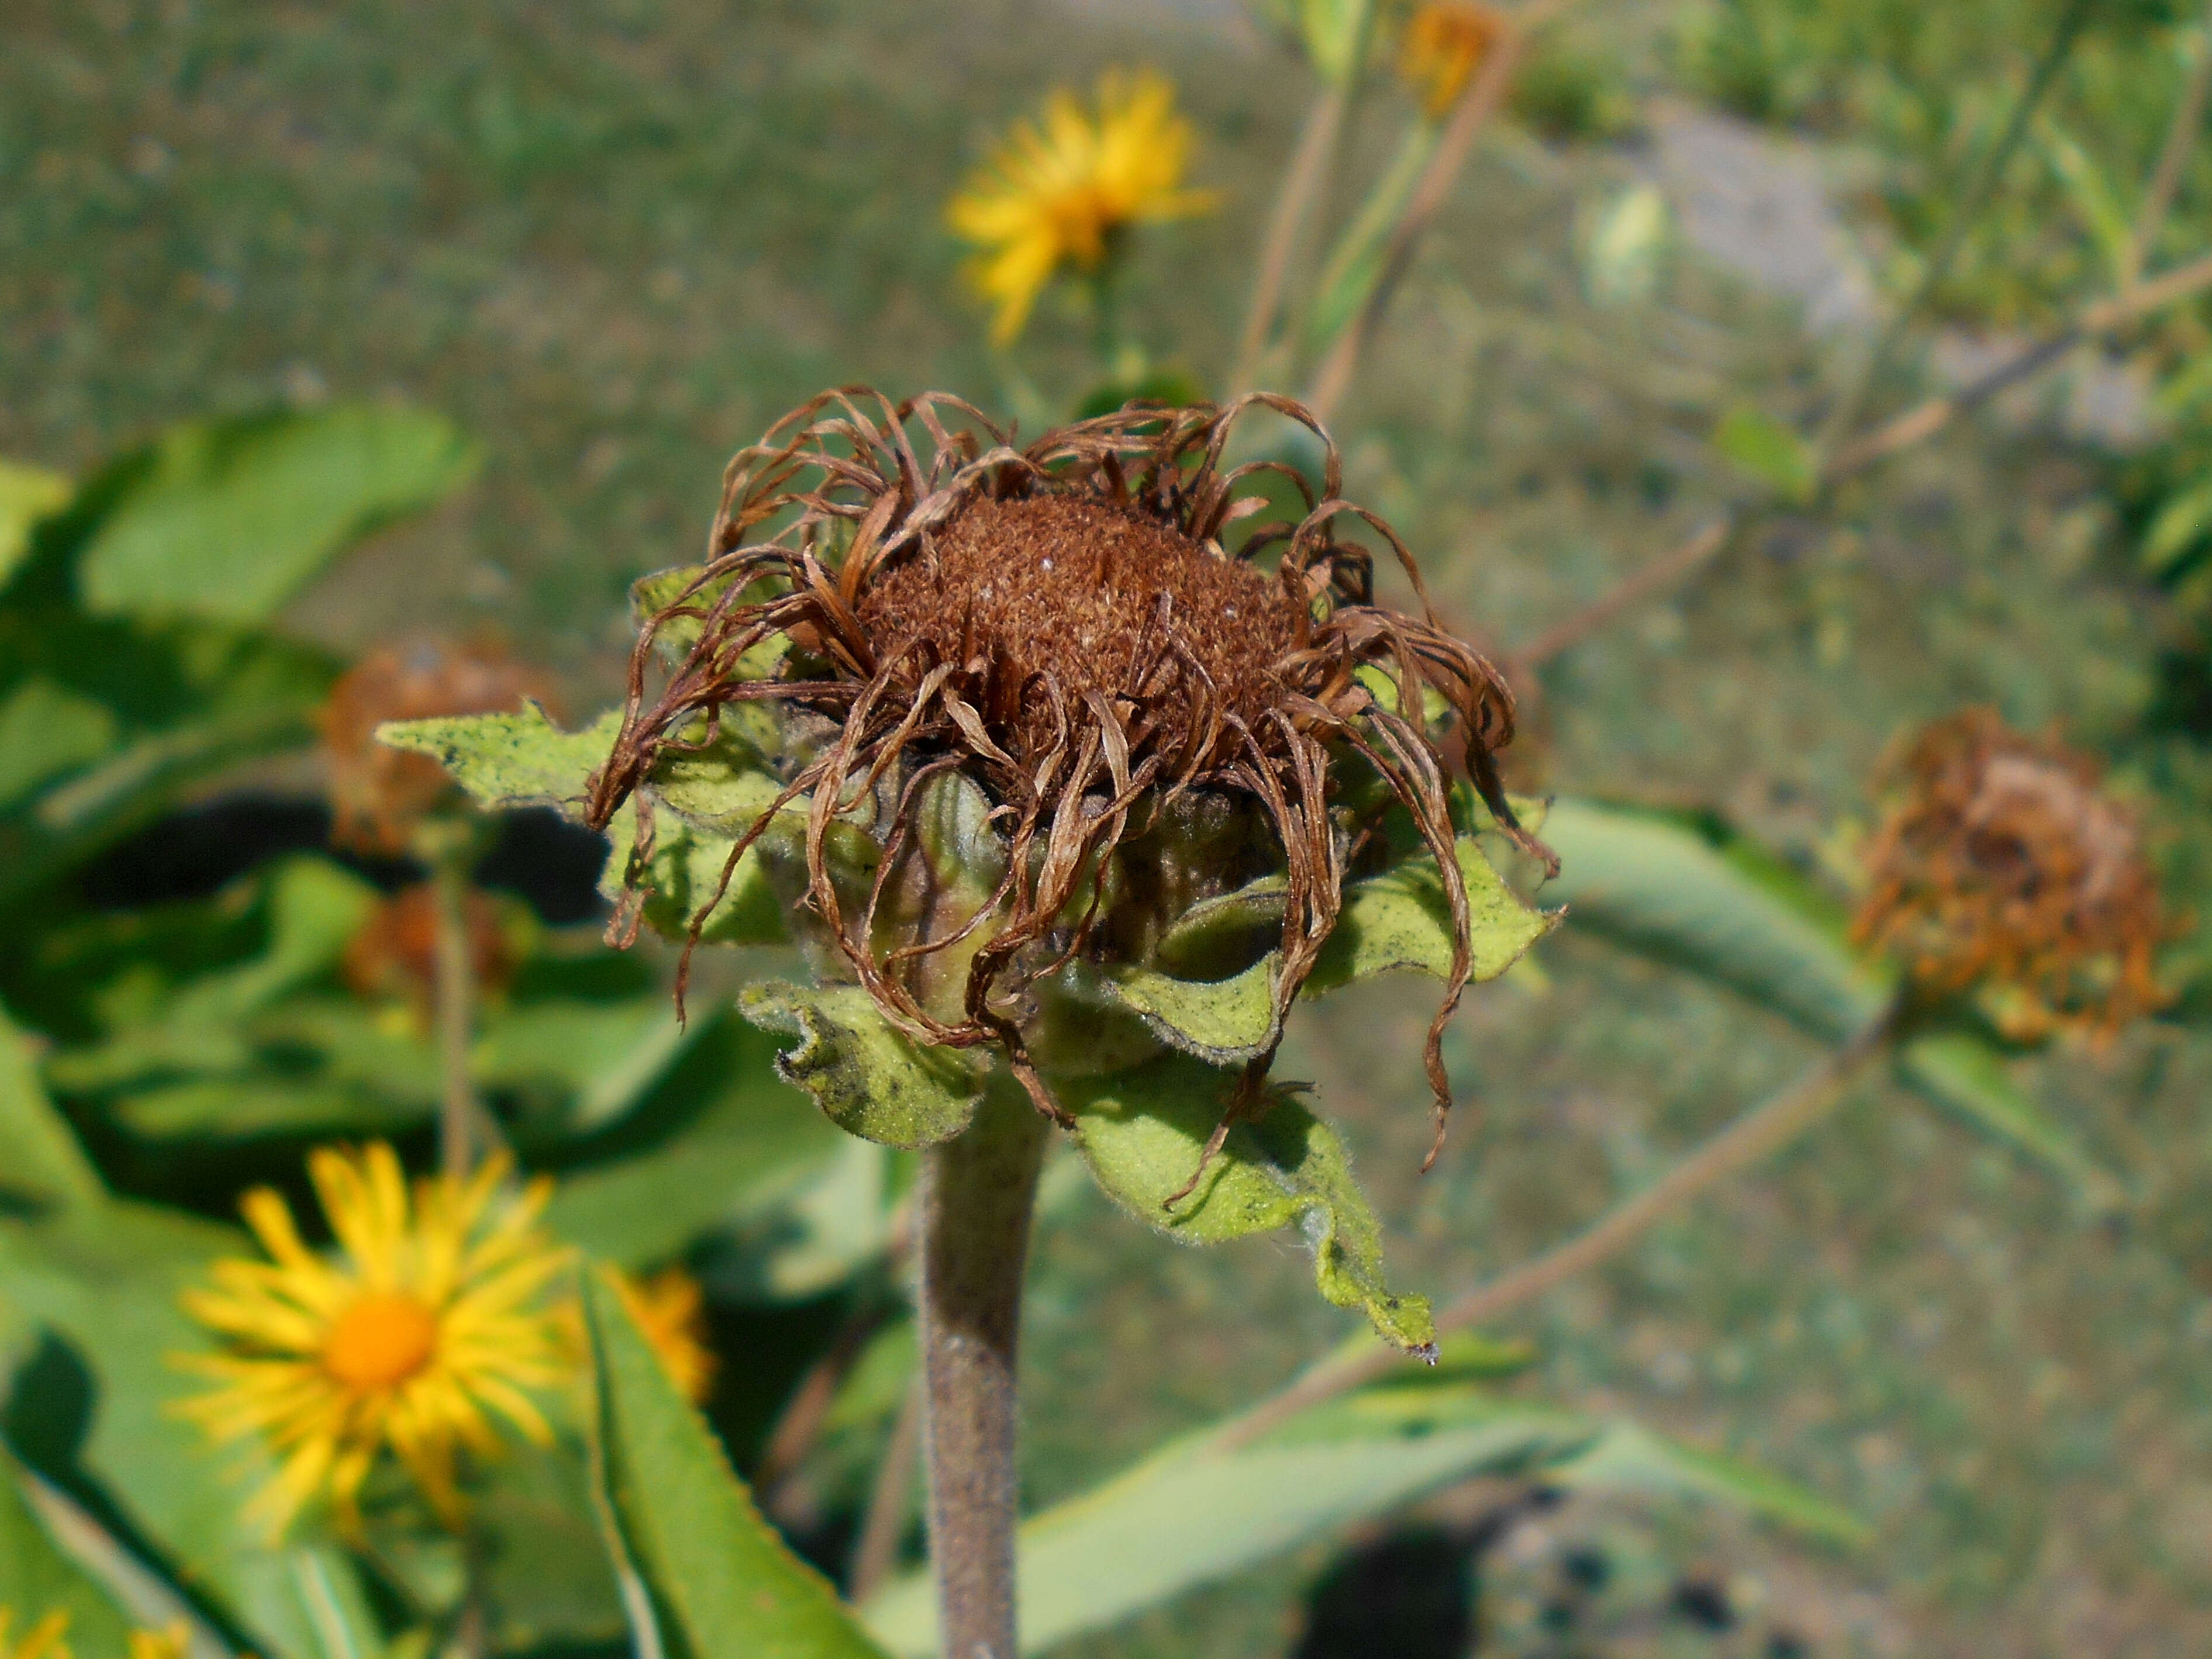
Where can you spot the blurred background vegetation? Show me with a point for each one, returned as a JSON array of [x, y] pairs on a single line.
[[608, 241]]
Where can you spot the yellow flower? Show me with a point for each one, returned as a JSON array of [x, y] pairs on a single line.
[[1059, 197], [44, 1640], [422, 1326], [667, 1312], [170, 1643], [1443, 45]]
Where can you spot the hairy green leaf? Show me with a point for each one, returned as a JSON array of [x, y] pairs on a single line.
[[867, 1076], [1225, 1021], [718, 1583], [1142, 1131], [227, 519], [510, 759], [1401, 919]]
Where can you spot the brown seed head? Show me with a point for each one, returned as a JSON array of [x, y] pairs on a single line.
[[378, 793], [2004, 866], [1098, 629]]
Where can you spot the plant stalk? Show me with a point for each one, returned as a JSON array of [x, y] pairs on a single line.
[[1301, 185], [977, 1192], [454, 994], [2172, 157]]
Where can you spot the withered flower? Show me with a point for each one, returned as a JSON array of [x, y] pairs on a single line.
[[2003, 868], [379, 794], [1444, 43], [1169, 677]]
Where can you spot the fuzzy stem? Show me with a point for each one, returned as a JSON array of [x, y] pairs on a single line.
[[454, 994], [977, 1192]]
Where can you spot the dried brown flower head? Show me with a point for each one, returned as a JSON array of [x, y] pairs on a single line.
[[1444, 43], [394, 956], [1118, 637], [379, 794], [2004, 867]]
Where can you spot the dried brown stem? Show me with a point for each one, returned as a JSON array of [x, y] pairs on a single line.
[[1294, 202], [1758, 1133], [453, 995], [1482, 100], [2172, 158], [877, 1552]]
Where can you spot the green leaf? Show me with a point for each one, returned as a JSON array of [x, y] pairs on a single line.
[[225, 520], [684, 872], [1189, 1515], [2180, 523], [37, 1579], [27, 494], [869, 1078], [744, 1147], [46, 730], [1355, 265], [40, 1161], [2110, 224], [1629, 1457], [1142, 1131], [1225, 1021], [1772, 453], [1966, 1074], [1401, 919], [1652, 883], [105, 1281], [510, 759], [719, 1582]]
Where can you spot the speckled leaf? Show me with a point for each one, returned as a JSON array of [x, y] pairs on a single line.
[[684, 872], [717, 1581], [1220, 936], [510, 759], [869, 1077], [1401, 919], [1142, 1131], [1226, 1021]]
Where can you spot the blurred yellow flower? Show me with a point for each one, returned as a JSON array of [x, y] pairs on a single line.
[[424, 1322], [170, 1643], [1443, 45], [668, 1312], [1059, 197], [44, 1640]]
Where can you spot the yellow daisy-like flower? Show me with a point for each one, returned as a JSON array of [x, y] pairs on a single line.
[[1443, 45], [170, 1643], [424, 1325], [44, 1640], [669, 1313], [1059, 197]]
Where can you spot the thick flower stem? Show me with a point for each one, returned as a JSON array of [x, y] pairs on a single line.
[[977, 1192]]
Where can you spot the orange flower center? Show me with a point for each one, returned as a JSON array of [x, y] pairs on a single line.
[[379, 1341]]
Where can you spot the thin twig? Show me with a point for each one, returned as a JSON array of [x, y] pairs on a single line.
[[2172, 157], [798, 1425], [884, 1524], [1705, 545], [1294, 200], [1482, 98], [1915, 425], [1971, 203], [1763, 1130]]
